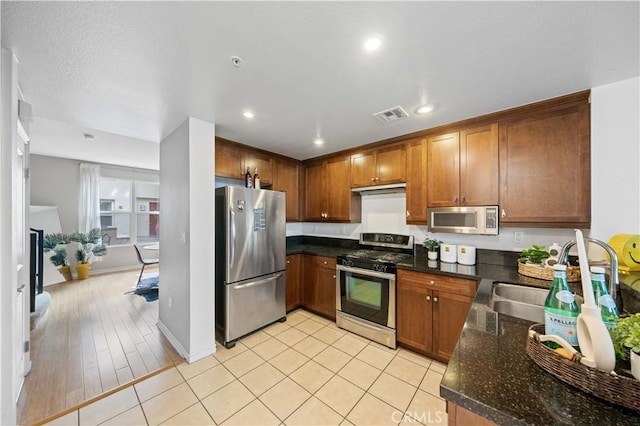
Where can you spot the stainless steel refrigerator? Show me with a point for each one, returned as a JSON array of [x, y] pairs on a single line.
[[250, 261]]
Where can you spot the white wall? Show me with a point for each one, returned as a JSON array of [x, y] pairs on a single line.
[[615, 159], [187, 243], [615, 185]]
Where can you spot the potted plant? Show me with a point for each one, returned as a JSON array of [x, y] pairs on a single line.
[[90, 245], [536, 255], [432, 245], [57, 243], [626, 341]]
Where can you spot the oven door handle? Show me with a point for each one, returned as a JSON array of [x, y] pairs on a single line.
[[369, 272]]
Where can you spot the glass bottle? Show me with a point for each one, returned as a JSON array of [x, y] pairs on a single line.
[[607, 305], [256, 180], [560, 309], [248, 180]]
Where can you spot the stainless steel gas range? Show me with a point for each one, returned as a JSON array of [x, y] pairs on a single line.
[[366, 286]]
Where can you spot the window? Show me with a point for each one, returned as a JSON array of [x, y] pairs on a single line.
[[129, 211]]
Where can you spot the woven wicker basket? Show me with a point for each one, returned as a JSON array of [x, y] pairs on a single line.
[[542, 273], [614, 388]]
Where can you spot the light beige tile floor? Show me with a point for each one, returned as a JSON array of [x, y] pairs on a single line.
[[302, 372]]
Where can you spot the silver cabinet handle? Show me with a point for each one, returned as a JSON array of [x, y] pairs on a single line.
[[408, 214], [504, 213], [428, 298], [455, 199], [373, 179], [432, 282], [334, 277], [21, 288], [464, 200], [435, 299]]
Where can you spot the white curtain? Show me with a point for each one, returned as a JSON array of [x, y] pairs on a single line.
[[89, 209]]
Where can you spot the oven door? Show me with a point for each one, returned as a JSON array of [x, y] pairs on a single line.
[[366, 294]]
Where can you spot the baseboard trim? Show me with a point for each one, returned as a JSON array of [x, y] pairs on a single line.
[[173, 340]]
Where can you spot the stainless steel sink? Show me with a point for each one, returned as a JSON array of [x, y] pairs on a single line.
[[525, 311], [520, 301], [520, 293]]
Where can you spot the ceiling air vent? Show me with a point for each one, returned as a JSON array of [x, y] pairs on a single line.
[[391, 114]]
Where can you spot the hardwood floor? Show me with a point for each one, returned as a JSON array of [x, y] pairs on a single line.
[[93, 339]]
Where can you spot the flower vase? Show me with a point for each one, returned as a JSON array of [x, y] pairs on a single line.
[[432, 255], [83, 270]]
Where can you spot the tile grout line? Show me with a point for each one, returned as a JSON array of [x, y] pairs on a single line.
[[104, 395]]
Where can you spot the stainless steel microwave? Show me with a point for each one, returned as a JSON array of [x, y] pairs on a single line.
[[464, 220]]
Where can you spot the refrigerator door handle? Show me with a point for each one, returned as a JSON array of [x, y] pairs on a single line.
[[259, 282], [232, 241]]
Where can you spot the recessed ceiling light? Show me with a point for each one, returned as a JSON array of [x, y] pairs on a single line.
[[88, 136], [372, 43], [247, 114], [318, 141], [424, 109]]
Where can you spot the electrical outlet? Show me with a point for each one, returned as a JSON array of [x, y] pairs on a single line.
[[183, 237], [518, 237]]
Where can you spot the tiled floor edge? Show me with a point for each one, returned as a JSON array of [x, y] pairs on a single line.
[[107, 393]]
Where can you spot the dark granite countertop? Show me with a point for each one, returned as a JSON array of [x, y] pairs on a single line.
[[489, 372]]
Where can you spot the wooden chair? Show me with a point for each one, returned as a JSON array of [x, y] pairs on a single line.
[[144, 262]]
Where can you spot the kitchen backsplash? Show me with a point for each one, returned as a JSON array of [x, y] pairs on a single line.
[[386, 213]]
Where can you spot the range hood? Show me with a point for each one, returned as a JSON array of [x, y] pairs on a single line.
[[381, 189]]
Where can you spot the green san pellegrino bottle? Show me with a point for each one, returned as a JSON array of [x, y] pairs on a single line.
[[607, 305], [560, 308]]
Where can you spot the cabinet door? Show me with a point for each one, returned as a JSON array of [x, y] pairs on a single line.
[[262, 162], [286, 177], [391, 165], [338, 193], [326, 291], [479, 166], [308, 284], [413, 321], [417, 181], [449, 314], [443, 179], [363, 169], [545, 169], [229, 161], [314, 195], [294, 263]]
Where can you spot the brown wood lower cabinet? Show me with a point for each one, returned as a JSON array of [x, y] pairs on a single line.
[[319, 285], [458, 416], [431, 311], [294, 267]]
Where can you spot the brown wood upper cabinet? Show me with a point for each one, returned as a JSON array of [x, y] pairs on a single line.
[[327, 197], [233, 159], [379, 167], [417, 181], [287, 177], [545, 168], [463, 167]]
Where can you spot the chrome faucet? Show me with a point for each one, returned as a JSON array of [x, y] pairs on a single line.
[[614, 283]]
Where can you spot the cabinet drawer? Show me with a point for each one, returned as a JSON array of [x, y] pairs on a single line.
[[440, 282], [326, 262]]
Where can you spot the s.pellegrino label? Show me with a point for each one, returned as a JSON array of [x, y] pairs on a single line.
[[561, 310]]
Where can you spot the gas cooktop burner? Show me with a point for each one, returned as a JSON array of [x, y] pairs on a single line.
[[379, 259]]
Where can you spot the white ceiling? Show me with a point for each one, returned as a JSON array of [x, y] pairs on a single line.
[[138, 69]]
